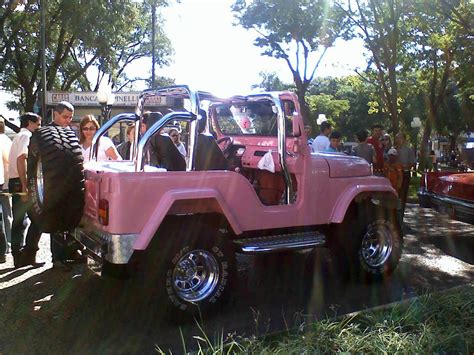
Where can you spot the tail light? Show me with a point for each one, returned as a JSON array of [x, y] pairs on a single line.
[[104, 212]]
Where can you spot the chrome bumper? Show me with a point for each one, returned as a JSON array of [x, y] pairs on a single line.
[[462, 210], [114, 248]]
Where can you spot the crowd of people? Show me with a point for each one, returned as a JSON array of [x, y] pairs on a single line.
[[394, 161], [22, 233]]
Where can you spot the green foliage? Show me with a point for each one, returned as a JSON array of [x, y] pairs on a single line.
[[80, 34], [347, 101], [271, 82], [298, 32]]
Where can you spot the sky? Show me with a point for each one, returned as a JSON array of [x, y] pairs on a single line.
[[212, 54]]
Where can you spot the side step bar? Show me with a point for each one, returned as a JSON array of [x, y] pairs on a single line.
[[280, 242]]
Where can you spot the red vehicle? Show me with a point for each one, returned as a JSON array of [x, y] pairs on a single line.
[[449, 193]]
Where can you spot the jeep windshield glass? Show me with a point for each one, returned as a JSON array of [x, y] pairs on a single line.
[[249, 118]]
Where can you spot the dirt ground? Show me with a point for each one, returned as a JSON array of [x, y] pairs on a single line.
[[49, 311]]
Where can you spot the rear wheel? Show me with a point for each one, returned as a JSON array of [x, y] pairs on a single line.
[[192, 272], [55, 179]]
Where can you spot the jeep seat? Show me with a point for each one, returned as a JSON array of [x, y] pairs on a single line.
[[208, 154]]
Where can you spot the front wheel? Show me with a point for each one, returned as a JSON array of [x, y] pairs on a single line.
[[368, 248], [193, 273]]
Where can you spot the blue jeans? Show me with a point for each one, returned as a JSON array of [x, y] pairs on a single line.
[[7, 214], [20, 221], [3, 240]]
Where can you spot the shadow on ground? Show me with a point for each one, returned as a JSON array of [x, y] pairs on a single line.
[[78, 312]]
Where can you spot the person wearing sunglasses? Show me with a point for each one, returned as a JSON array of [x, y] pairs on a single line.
[[107, 151], [175, 137]]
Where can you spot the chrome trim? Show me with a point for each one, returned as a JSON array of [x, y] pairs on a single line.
[[102, 130], [156, 128], [181, 91], [195, 275], [281, 242], [446, 199], [114, 248]]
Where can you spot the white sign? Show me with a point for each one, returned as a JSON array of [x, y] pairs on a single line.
[[84, 98]]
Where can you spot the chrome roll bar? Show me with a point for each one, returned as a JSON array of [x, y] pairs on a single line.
[[162, 122], [105, 128], [179, 91]]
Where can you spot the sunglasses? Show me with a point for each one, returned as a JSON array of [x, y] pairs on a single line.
[[173, 135], [89, 129]]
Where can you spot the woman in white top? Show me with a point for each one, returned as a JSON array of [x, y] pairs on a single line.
[[107, 151], [175, 137]]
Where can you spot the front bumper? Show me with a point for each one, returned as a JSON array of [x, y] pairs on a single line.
[[114, 248], [461, 210]]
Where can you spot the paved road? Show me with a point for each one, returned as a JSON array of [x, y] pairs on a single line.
[[48, 311]]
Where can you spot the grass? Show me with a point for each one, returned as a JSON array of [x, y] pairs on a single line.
[[433, 323], [413, 188]]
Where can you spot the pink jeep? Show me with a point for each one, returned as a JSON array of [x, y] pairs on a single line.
[[184, 228]]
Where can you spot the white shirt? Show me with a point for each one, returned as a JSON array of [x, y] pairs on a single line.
[[19, 147], [181, 149], [320, 143], [104, 144], [5, 146]]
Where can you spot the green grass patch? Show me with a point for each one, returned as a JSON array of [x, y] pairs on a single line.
[[413, 188], [434, 323]]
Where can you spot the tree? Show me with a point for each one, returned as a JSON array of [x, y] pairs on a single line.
[[435, 40], [81, 35], [271, 82], [298, 31], [348, 101], [379, 24]]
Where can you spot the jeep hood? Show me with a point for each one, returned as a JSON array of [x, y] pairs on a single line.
[[341, 166]]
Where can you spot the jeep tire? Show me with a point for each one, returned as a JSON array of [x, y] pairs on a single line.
[[368, 247], [55, 179], [190, 270]]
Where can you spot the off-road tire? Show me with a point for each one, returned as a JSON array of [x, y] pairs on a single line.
[[367, 246], [185, 257], [55, 179]]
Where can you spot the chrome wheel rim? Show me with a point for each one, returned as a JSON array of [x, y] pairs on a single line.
[[40, 182], [195, 276], [377, 244]]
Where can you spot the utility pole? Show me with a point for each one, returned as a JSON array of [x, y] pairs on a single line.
[[43, 57], [153, 23]]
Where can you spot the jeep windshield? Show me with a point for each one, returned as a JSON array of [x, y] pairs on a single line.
[[257, 118]]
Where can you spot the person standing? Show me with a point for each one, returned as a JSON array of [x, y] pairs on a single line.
[[364, 149], [406, 157], [175, 137], [334, 143], [374, 139], [3, 236], [62, 117], [125, 148], [5, 200], [321, 142], [22, 254], [107, 151]]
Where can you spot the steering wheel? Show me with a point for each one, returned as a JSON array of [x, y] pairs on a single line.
[[225, 143]]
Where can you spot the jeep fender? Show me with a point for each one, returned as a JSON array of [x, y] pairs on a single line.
[[166, 203], [383, 195]]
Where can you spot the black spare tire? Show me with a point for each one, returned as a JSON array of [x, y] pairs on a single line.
[[55, 179]]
